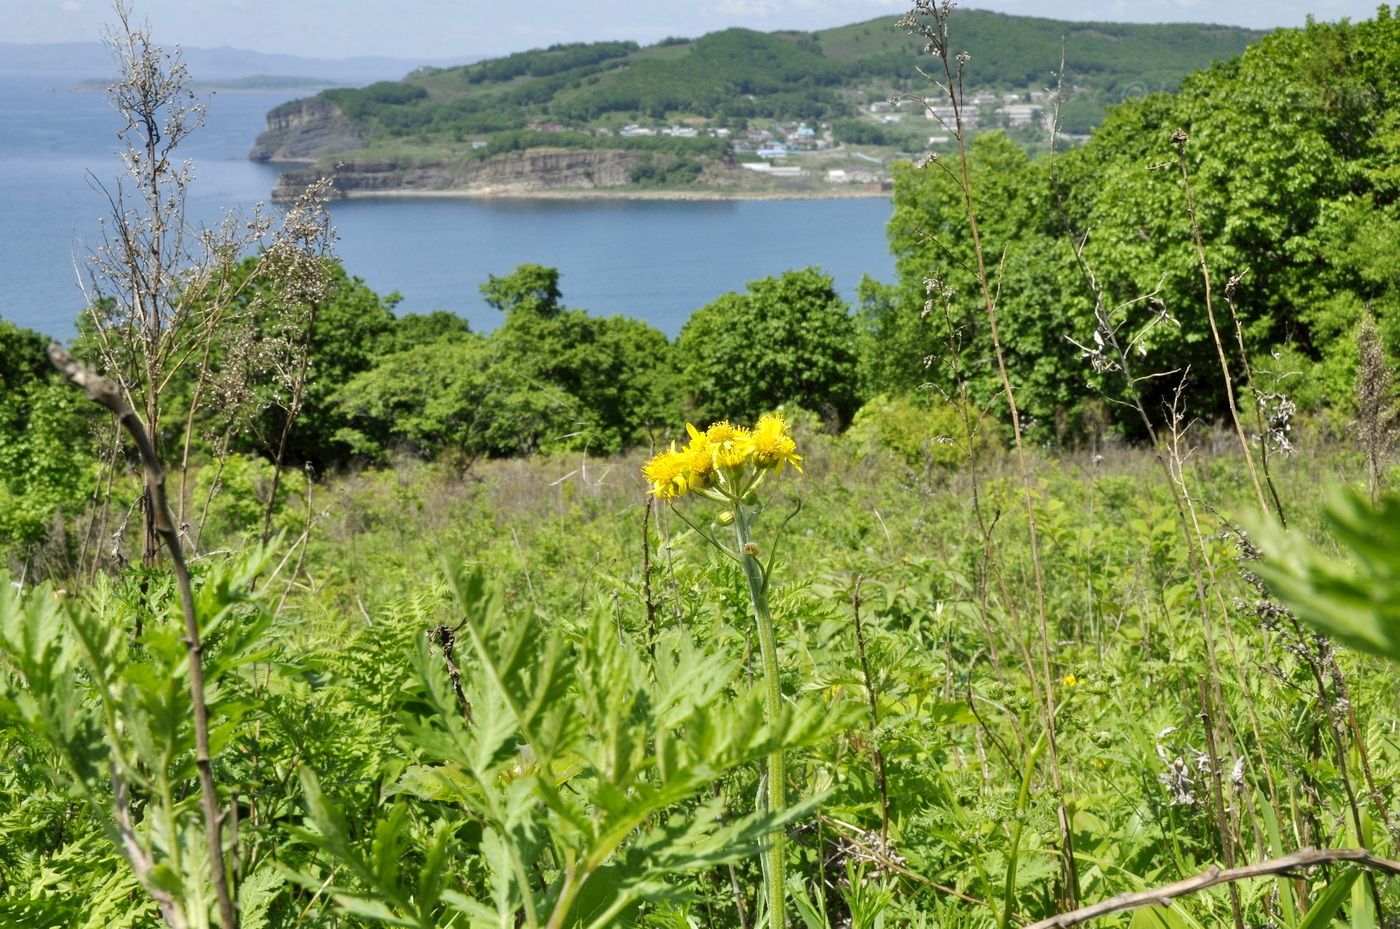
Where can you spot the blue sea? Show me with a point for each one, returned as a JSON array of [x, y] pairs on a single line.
[[654, 260]]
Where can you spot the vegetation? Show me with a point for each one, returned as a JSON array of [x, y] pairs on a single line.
[[1060, 628], [1101, 239], [739, 76]]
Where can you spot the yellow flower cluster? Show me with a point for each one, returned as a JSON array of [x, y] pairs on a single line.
[[722, 455]]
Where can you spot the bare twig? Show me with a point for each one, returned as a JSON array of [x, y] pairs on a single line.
[[1214, 877], [873, 697]]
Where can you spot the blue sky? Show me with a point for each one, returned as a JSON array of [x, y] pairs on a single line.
[[447, 28]]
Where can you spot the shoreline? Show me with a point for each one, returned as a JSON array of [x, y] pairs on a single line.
[[605, 194]]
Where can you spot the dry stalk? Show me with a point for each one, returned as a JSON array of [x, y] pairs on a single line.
[[1179, 139], [952, 84], [108, 395], [1214, 877]]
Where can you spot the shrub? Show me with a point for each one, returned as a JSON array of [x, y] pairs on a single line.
[[788, 340], [922, 431]]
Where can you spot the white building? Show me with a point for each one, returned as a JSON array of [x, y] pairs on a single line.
[[1019, 114]]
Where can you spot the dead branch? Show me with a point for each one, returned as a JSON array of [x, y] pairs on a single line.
[[1214, 877]]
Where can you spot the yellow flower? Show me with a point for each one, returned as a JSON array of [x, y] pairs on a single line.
[[667, 473], [1071, 681], [727, 445], [724, 431], [699, 460], [771, 445]]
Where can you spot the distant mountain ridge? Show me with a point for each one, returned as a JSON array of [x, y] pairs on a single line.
[[87, 60]]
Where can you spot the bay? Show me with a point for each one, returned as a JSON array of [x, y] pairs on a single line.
[[656, 260]]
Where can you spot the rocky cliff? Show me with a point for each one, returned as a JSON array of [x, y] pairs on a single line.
[[517, 172], [305, 131]]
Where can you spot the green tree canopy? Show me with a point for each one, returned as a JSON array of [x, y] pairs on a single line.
[[1291, 157], [788, 339]]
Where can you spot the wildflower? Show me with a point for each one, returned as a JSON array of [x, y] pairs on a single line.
[[728, 444], [699, 460], [771, 445], [725, 462], [666, 473], [1071, 681]]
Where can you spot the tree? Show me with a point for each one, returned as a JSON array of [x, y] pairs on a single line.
[[598, 383], [430, 399], [1291, 156], [548, 379], [45, 434], [788, 339]]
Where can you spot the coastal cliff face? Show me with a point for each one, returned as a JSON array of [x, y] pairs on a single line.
[[516, 172], [306, 130]]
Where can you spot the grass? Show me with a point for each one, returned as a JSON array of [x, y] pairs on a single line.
[[969, 808]]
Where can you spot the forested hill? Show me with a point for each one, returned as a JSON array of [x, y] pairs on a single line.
[[594, 95]]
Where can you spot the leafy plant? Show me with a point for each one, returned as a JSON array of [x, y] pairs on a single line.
[[786, 340], [1354, 596], [573, 768]]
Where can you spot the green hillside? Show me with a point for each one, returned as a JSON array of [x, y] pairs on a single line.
[[1020, 51], [737, 75]]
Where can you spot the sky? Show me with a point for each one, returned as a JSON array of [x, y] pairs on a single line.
[[448, 28]]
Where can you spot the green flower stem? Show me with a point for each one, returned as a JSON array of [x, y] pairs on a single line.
[[768, 648]]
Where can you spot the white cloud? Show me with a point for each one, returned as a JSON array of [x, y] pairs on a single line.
[[71, 6]]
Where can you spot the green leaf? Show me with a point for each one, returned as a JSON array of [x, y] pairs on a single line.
[[1356, 600], [1331, 900]]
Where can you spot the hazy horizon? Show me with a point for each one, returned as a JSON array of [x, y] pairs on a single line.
[[440, 29]]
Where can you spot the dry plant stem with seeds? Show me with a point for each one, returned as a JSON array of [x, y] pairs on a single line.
[[929, 19], [107, 395], [167, 299]]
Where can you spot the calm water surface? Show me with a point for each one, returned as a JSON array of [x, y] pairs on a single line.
[[655, 260]]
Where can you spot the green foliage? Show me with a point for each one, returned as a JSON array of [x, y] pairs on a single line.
[[569, 750], [419, 329], [740, 74], [112, 719], [677, 173], [860, 132], [683, 150], [1355, 599], [252, 363], [916, 334], [46, 470], [921, 431], [1285, 215], [604, 380], [564, 730], [350, 329], [786, 340], [1023, 51], [1294, 213], [239, 489], [359, 103], [429, 399], [547, 378]]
